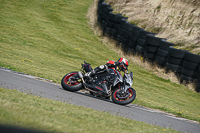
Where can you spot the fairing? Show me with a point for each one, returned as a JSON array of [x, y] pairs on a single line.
[[118, 78]]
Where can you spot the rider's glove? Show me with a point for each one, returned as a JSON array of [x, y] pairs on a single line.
[[89, 74]]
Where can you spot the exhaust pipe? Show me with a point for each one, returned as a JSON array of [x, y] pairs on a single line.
[[81, 76]]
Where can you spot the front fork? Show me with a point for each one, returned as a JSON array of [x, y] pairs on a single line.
[[123, 93], [81, 76], [123, 88]]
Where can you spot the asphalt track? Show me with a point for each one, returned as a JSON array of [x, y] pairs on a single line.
[[40, 87]]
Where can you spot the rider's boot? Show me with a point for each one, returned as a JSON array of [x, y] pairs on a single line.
[[89, 78]]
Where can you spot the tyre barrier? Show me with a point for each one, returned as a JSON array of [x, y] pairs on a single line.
[[102, 12], [111, 24], [190, 68], [198, 82], [162, 53], [151, 46], [135, 33], [156, 50], [125, 29], [175, 60], [141, 42]]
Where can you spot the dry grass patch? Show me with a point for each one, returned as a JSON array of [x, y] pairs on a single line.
[[176, 20]]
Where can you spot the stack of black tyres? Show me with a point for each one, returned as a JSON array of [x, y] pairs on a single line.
[[100, 13], [99, 9], [151, 47], [135, 33], [162, 53], [111, 24], [198, 82], [141, 41], [189, 72], [121, 21], [125, 29], [175, 60], [103, 13]]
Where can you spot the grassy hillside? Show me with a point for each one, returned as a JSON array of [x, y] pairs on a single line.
[[176, 20], [50, 38]]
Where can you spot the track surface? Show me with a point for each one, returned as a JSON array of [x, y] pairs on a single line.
[[26, 83]]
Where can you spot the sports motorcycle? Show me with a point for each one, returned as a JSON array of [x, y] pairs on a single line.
[[110, 84]]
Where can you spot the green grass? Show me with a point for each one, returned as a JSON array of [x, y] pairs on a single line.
[[50, 38], [28, 111]]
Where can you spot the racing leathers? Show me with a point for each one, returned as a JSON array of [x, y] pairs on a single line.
[[102, 69]]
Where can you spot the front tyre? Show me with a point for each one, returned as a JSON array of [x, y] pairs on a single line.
[[123, 98], [71, 82]]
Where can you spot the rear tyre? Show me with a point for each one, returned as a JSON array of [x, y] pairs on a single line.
[[122, 99], [70, 82]]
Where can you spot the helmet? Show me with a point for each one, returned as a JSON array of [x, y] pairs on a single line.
[[123, 64], [111, 64]]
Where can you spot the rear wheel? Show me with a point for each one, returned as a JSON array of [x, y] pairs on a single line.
[[71, 82], [123, 98]]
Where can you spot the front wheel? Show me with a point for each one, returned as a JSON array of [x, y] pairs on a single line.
[[71, 82], [121, 98]]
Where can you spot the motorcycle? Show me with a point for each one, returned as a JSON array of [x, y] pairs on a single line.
[[109, 84]]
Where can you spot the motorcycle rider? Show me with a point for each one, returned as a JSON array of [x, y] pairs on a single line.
[[121, 65]]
